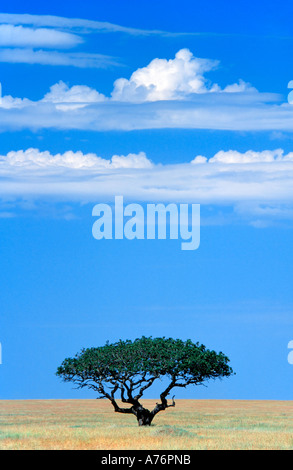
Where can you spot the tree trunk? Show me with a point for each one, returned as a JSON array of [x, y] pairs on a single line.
[[144, 416]]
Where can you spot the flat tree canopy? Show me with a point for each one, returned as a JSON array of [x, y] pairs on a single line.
[[126, 369]]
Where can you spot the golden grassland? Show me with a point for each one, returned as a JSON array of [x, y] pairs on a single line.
[[191, 425]]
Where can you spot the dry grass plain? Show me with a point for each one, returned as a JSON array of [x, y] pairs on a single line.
[[192, 424]]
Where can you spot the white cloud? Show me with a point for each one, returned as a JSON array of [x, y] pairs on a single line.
[[8, 102], [166, 94], [131, 160], [239, 87], [76, 174], [76, 97], [19, 36], [199, 159], [86, 26], [44, 57], [165, 79], [221, 111], [33, 159], [172, 79], [234, 157], [259, 193], [72, 23], [24, 40]]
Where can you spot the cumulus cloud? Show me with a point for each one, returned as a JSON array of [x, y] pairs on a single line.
[[131, 160], [134, 174], [258, 193], [33, 159], [76, 97], [8, 102], [233, 157], [165, 79], [172, 79], [166, 94]]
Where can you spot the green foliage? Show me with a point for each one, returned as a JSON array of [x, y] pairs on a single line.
[[183, 361]]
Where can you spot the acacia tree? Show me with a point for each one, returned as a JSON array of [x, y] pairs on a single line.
[[129, 368]]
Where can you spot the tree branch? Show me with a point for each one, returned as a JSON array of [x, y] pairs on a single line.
[[144, 387], [164, 402]]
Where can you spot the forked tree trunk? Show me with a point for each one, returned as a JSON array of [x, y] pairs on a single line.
[[143, 415]]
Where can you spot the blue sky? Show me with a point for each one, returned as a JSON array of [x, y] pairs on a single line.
[[158, 102]]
